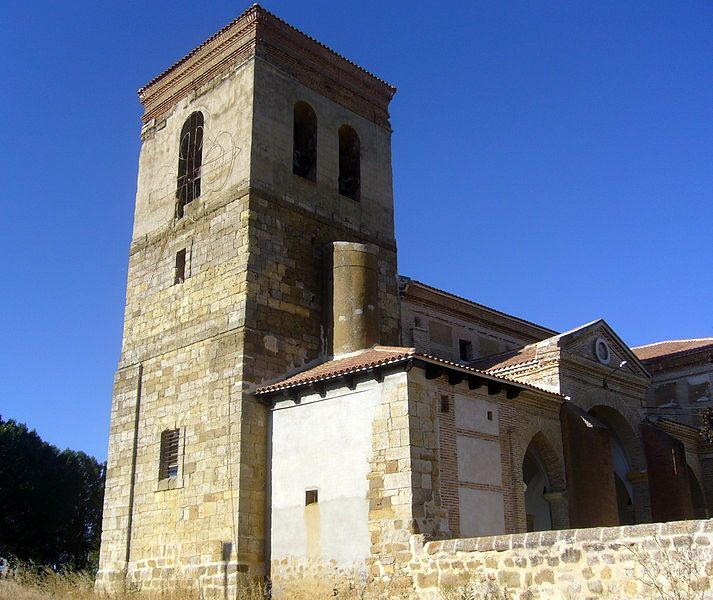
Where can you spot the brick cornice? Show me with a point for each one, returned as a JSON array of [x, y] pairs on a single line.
[[417, 293], [258, 32], [681, 431]]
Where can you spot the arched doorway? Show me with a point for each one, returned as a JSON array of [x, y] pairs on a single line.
[[536, 485], [697, 498]]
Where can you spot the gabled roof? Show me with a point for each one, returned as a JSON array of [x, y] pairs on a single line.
[[528, 354], [378, 357], [672, 348], [577, 331]]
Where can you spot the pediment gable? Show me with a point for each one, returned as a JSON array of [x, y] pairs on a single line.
[[599, 344]]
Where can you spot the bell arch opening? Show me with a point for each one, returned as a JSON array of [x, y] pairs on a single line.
[[190, 161], [304, 142]]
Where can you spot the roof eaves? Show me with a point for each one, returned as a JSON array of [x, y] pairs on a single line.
[[298, 382], [406, 357], [408, 280], [487, 375], [682, 341], [256, 10], [677, 354]]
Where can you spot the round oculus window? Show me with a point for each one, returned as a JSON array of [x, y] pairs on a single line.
[[602, 351]]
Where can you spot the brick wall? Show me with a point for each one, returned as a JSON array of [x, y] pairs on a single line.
[[668, 475], [590, 473], [448, 457]]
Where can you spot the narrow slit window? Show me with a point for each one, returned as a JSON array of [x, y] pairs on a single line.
[[490, 415], [466, 350], [179, 271], [168, 464], [304, 142], [445, 404], [349, 163], [190, 159], [311, 497]]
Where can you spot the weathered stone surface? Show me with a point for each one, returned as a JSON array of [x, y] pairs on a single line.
[[555, 569]]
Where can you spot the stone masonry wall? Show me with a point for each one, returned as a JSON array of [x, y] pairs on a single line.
[[249, 309], [669, 560]]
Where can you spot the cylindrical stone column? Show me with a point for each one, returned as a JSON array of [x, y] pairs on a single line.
[[355, 312]]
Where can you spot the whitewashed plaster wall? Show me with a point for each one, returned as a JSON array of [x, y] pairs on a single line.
[[323, 444]]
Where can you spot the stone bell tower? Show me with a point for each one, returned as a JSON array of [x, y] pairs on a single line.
[[260, 148]]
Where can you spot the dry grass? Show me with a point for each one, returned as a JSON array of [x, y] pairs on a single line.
[[47, 585], [50, 586]]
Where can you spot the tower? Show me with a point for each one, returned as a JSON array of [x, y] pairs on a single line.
[[260, 148]]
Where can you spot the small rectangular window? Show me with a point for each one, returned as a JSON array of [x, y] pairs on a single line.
[[466, 350], [180, 269], [490, 415], [445, 404], [168, 464], [227, 550], [311, 497]]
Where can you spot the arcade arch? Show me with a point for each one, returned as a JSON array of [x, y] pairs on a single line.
[[628, 461]]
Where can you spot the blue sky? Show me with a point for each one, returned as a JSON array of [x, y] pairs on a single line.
[[551, 159]]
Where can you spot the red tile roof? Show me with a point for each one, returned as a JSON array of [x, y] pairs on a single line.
[[672, 347], [380, 356], [497, 362], [256, 8], [377, 356]]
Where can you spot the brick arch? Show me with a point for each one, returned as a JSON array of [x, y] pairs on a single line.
[[627, 434], [554, 469], [553, 465], [626, 407], [624, 430]]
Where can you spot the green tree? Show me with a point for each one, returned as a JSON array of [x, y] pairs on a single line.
[[50, 501]]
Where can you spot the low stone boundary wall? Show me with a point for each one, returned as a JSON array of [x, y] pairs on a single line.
[[663, 560]]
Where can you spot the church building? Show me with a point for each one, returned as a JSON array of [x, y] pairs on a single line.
[[286, 403]]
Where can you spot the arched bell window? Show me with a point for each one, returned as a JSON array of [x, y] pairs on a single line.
[[190, 158], [304, 142], [349, 163]]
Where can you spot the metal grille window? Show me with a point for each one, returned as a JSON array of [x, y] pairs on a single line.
[[168, 465], [190, 159]]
